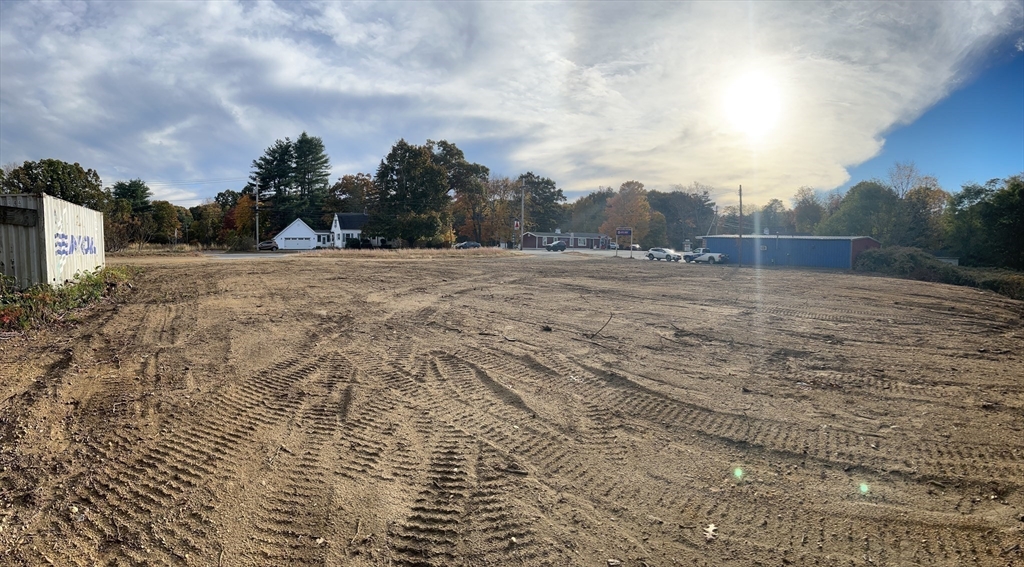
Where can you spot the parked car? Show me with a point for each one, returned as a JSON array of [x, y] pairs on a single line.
[[267, 245], [710, 258], [634, 247], [667, 254], [557, 246], [613, 246], [689, 256], [466, 245]]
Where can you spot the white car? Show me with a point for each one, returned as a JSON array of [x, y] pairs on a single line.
[[667, 254]]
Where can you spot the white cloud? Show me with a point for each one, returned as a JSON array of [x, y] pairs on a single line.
[[587, 94]]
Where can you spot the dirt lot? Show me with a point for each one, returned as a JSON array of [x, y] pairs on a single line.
[[331, 410]]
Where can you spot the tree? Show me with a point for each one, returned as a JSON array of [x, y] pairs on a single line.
[[228, 198], [312, 169], [1003, 217], [543, 208], [868, 209], [920, 218], [985, 223], [348, 194], [274, 171], [688, 212], [165, 221], [467, 181], [410, 197], [503, 195], [776, 218], [904, 176], [70, 182], [629, 207], [206, 222], [807, 210], [587, 213], [657, 234], [136, 193]]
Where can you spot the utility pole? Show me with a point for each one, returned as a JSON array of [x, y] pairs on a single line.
[[741, 226], [256, 193], [522, 216]]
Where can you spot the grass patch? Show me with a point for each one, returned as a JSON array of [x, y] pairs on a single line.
[[45, 305], [914, 264]]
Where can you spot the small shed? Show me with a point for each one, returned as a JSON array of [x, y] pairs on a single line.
[[46, 240], [588, 240], [804, 251]]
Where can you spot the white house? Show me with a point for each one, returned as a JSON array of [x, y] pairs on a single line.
[[298, 236], [344, 227]]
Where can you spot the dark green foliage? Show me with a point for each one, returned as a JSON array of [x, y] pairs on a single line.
[[985, 224], [410, 196], [274, 171], [914, 264], [688, 213], [868, 209], [588, 211], [56, 178], [312, 170], [657, 234], [228, 198], [136, 192], [543, 203]]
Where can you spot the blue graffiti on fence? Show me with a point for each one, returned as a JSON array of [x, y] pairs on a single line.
[[69, 244]]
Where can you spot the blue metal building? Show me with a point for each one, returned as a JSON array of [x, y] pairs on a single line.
[[805, 251]]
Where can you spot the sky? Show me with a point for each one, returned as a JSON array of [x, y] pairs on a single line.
[[772, 96]]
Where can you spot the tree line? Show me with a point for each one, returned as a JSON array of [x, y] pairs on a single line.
[[431, 195]]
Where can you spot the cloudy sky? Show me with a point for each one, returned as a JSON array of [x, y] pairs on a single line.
[[770, 95]]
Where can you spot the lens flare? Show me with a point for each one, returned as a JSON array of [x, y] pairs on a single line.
[[864, 488], [738, 473]]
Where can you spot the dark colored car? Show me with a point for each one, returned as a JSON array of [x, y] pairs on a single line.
[[466, 245], [558, 246], [267, 245]]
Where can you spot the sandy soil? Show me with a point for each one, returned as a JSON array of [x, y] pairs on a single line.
[[330, 410]]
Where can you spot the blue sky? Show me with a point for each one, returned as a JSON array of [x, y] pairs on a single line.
[[770, 95], [974, 135]]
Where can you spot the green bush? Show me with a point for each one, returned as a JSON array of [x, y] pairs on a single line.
[[915, 264], [44, 304]]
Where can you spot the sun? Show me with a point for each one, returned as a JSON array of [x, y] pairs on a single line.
[[753, 104]]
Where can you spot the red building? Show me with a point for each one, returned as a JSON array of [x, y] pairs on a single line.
[[589, 240]]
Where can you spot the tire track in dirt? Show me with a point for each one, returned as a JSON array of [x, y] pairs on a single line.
[[731, 429], [143, 478]]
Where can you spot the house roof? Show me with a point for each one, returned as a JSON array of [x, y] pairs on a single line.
[[352, 221], [567, 234], [297, 225]]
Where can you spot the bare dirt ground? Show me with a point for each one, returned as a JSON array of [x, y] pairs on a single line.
[[332, 410]]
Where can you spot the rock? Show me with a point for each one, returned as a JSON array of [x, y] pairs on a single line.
[[614, 562]]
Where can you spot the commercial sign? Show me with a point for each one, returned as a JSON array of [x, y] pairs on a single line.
[[623, 231]]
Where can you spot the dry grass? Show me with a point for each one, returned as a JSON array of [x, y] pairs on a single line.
[[160, 250], [413, 253]]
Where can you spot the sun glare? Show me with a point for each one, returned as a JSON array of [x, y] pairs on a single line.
[[753, 104]]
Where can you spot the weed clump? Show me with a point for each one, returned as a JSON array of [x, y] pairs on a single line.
[[44, 304]]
